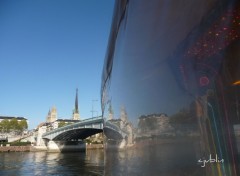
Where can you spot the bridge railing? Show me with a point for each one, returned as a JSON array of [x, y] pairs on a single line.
[[74, 125]]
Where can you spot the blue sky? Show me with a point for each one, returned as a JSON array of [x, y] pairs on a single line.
[[48, 48]]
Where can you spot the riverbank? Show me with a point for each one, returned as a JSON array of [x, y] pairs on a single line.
[[15, 148], [39, 148], [94, 146]]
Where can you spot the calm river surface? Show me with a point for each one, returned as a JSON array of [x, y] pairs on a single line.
[[163, 160], [43, 163]]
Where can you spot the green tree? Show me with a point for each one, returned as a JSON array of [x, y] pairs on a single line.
[[61, 124], [5, 126], [23, 125], [13, 125]]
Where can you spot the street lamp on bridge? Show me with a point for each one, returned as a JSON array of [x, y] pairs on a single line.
[[93, 107]]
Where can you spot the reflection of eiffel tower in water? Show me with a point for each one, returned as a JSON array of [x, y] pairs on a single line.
[[76, 115]]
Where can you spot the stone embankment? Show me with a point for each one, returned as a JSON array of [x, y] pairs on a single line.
[[94, 146], [15, 148], [37, 148]]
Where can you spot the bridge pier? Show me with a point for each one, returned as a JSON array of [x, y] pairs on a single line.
[[52, 147], [66, 146]]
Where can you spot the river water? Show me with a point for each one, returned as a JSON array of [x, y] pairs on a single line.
[[165, 160], [44, 163]]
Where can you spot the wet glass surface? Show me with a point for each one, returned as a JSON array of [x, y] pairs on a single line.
[[172, 77], [158, 159]]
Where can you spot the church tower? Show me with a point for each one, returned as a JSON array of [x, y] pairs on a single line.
[[48, 116], [76, 115], [52, 115]]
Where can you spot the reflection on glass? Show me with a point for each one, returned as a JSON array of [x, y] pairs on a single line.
[[170, 88]]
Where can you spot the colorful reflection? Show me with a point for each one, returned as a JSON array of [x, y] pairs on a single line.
[[171, 79]]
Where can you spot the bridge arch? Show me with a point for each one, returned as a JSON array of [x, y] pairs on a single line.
[[74, 134], [76, 131]]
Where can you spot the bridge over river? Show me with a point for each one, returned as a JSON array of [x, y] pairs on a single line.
[[75, 131], [70, 137]]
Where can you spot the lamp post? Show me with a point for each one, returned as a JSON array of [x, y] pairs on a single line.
[[93, 107]]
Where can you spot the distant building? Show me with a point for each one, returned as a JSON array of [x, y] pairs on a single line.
[[56, 124], [154, 125], [123, 126], [52, 121], [52, 115], [11, 117], [110, 113], [76, 115], [62, 122]]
